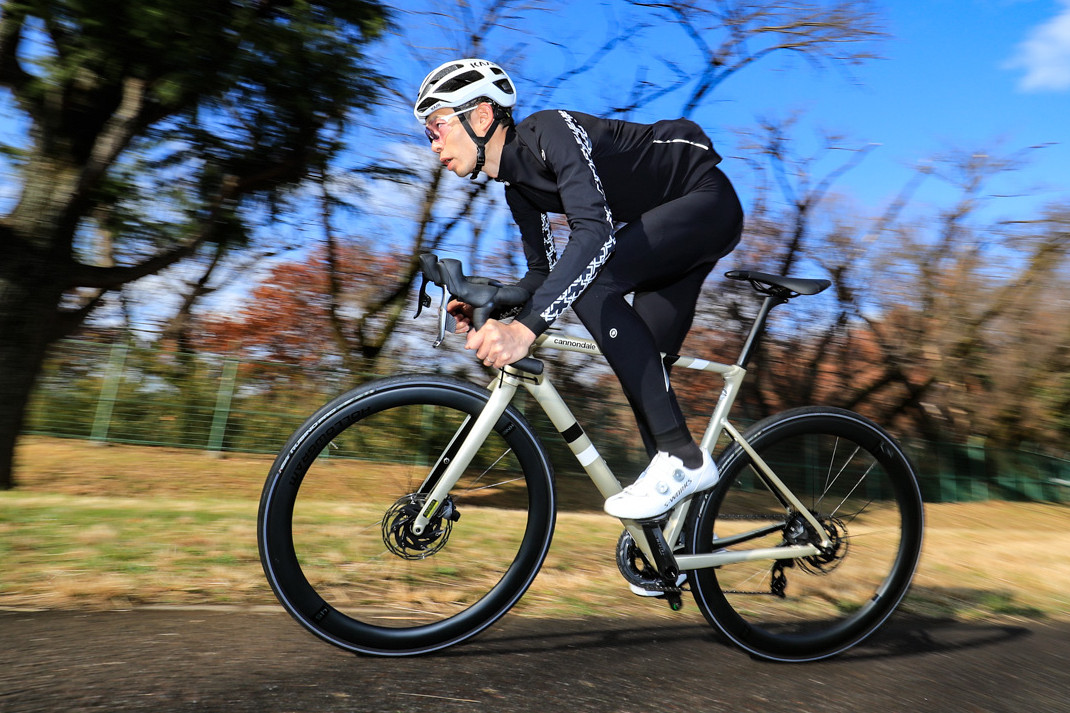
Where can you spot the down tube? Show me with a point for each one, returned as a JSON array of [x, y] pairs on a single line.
[[580, 444]]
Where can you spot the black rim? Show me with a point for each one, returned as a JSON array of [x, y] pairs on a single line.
[[282, 562], [823, 638]]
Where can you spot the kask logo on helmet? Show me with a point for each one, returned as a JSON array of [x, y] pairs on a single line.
[[433, 108]]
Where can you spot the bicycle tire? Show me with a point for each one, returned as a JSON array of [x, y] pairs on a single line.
[[861, 485], [331, 531]]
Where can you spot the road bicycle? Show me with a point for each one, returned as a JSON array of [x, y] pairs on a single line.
[[414, 511]]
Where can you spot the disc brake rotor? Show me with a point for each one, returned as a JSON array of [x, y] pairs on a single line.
[[399, 537], [831, 557]]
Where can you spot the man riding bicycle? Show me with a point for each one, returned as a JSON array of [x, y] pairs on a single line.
[[650, 215]]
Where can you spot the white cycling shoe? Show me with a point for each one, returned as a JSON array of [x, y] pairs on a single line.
[[661, 486]]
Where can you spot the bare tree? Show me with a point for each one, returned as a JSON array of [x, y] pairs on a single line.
[[729, 37], [948, 327]]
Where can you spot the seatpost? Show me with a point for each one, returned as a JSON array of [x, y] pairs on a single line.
[[772, 299]]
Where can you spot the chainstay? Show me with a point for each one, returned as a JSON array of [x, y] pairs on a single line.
[[775, 585]]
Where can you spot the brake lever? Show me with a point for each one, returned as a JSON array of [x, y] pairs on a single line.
[[424, 299], [446, 321]]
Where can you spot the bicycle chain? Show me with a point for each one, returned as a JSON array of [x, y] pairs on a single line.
[[769, 518], [818, 565], [778, 581]]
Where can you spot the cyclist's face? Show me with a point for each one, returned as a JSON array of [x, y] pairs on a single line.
[[451, 142]]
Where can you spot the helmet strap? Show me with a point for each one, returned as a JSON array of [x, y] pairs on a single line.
[[479, 141]]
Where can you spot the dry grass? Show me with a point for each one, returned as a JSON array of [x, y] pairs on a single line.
[[118, 526]]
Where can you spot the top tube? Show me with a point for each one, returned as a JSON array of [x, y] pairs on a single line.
[[586, 345]]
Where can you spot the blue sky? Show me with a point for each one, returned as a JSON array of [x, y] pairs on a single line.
[[976, 75], [984, 76], [979, 75]]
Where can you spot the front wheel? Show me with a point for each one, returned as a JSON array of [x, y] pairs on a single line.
[[857, 482], [335, 532]]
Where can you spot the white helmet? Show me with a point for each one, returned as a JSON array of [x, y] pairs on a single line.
[[459, 82]]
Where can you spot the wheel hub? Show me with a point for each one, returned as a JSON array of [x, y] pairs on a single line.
[[399, 537], [830, 557]]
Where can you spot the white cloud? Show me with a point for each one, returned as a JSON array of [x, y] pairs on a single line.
[[1045, 55]]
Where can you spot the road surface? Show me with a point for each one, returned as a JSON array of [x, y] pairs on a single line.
[[238, 661]]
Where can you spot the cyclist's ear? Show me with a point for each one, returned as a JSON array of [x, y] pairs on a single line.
[[483, 117]]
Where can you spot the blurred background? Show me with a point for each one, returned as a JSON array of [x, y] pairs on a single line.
[[211, 211]]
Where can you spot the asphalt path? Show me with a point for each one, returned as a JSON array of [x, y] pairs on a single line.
[[238, 661]]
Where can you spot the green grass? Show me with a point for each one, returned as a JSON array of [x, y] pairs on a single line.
[[88, 528]]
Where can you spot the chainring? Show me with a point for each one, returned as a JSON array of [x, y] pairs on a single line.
[[633, 564]]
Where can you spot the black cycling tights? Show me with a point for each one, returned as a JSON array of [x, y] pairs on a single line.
[[662, 259]]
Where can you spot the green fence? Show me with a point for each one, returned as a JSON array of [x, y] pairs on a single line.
[[124, 393], [964, 473]]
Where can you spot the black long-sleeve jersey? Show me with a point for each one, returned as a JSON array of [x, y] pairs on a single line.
[[598, 173]]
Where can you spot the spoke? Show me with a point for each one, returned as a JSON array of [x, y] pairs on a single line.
[[828, 475], [851, 518], [853, 489], [829, 479], [881, 531], [493, 485], [472, 488], [759, 574]]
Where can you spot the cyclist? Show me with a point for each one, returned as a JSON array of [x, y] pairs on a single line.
[[650, 214]]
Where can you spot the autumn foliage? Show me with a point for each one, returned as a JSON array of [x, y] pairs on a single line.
[[288, 316]]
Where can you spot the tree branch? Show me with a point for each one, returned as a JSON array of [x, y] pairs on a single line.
[[68, 320], [177, 328], [12, 74], [334, 287], [116, 134], [110, 278]]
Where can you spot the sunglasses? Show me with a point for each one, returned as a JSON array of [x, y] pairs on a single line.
[[437, 129]]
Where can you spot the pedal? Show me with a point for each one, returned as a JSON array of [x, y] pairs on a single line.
[[675, 602], [658, 588], [662, 589]]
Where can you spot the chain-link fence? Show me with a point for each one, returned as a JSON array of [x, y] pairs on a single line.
[[125, 393]]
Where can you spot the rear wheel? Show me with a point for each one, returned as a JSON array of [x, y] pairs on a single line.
[[335, 532], [857, 482]]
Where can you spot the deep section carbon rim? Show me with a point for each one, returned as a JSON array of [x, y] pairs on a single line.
[[860, 486], [335, 522]]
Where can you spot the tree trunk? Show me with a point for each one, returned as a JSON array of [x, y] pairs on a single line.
[[29, 297]]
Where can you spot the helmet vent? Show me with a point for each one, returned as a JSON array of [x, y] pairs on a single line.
[[459, 82], [422, 106], [442, 73]]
